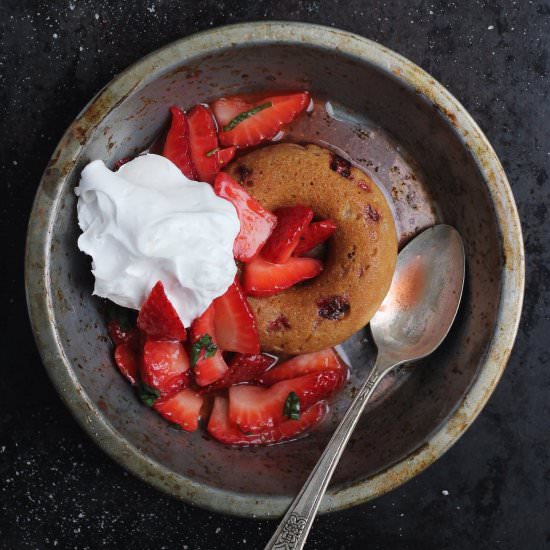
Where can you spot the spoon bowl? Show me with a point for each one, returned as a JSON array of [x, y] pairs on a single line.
[[423, 299]]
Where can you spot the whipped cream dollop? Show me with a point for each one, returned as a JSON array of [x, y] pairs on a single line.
[[147, 222]]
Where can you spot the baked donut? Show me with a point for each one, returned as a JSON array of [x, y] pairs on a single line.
[[360, 257]]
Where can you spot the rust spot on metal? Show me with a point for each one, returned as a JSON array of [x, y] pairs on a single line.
[[145, 102], [193, 74], [103, 405], [92, 116], [447, 113], [451, 116], [55, 156]]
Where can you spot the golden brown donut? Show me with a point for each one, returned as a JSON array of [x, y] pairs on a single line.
[[361, 255]]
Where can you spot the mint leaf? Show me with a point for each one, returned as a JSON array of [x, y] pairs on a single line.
[[212, 152], [147, 394], [291, 407], [205, 343], [247, 114]]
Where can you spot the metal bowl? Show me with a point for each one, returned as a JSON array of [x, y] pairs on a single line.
[[420, 144]]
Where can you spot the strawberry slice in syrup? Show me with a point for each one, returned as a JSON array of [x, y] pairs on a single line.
[[263, 278], [234, 322], [292, 221], [165, 366], [244, 124], [158, 318], [257, 223], [182, 408], [243, 368], [306, 363], [206, 357], [254, 409], [314, 234], [207, 158], [220, 427], [177, 146]]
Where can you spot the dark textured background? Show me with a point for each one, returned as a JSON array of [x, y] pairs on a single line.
[[492, 490]]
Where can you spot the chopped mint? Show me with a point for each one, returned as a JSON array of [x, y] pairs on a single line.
[[212, 152], [291, 408], [147, 394], [247, 114], [203, 343]]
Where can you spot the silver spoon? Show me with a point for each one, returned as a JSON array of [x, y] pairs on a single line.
[[411, 323]]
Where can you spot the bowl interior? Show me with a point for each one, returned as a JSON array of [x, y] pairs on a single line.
[[412, 150]]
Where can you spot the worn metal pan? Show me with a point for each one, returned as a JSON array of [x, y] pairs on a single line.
[[414, 138]]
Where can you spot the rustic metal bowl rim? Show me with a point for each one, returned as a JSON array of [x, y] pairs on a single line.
[[64, 159]]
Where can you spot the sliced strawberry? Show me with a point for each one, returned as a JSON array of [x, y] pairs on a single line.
[[205, 154], [246, 124], [243, 368], [206, 357], [165, 366], [257, 223], [121, 335], [177, 146], [127, 361], [262, 278], [158, 318], [182, 408], [315, 234], [226, 109], [291, 223], [225, 156], [306, 363], [204, 142], [220, 428], [254, 409], [234, 323], [128, 345]]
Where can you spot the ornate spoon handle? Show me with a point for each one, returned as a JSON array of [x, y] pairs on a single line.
[[294, 528]]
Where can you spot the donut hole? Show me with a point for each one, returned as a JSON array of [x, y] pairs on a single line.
[[322, 250], [319, 252]]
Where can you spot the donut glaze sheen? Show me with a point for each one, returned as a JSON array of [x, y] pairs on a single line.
[[360, 257]]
